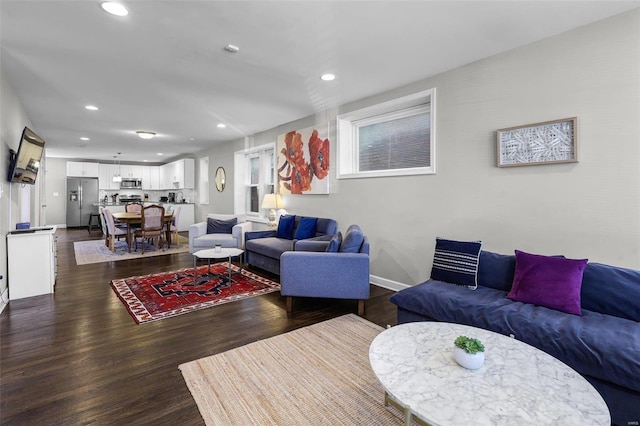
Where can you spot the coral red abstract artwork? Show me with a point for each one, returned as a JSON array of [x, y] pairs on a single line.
[[303, 161]]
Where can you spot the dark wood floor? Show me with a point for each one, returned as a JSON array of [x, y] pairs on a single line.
[[77, 357]]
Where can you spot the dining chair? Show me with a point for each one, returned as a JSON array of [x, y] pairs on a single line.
[[151, 226], [133, 208], [173, 225], [113, 231]]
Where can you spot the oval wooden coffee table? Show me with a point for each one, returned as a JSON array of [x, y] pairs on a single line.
[[517, 385]]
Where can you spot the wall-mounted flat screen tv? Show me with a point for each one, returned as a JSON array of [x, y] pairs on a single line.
[[25, 164]]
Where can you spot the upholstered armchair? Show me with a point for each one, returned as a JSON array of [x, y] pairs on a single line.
[[341, 272], [219, 228]]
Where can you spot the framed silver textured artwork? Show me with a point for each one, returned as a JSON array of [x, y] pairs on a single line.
[[549, 142]]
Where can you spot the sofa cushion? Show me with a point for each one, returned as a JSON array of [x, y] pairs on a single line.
[[496, 270], [548, 281], [334, 243], [306, 228], [285, 227], [352, 240], [219, 226], [456, 262], [210, 240], [611, 290], [271, 246], [586, 343]]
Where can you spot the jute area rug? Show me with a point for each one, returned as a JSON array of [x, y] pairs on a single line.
[[316, 375], [95, 251]]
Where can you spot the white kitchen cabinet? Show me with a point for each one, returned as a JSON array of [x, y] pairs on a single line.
[[179, 174], [82, 169], [131, 171], [32, 263], [166, 173], [151, 177], [105, 177]]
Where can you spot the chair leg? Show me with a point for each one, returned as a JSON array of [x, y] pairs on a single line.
[[289, 305], [360, 307]]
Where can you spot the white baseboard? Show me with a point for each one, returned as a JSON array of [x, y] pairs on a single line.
[[388, 284]]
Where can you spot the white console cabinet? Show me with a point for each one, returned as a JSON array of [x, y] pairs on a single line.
[[32, 262]]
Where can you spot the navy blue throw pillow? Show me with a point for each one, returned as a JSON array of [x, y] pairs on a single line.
[[285, 227], [334, 244], [456, 262], [219, 226], [306, 228]]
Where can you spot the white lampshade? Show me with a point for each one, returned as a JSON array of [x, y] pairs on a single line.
[[272, 201]]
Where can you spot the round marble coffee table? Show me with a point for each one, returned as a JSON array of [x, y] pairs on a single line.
[[214, 254], [517, 385]]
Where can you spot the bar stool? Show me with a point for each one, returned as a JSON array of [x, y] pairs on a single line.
[[91, 224]]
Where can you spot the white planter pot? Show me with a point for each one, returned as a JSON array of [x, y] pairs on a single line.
[[469, 361]]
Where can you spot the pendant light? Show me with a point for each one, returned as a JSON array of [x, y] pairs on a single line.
[[117, 177]]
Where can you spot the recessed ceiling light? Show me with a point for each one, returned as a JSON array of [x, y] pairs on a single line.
[[84, 138], [231, 48], [160, 154], [328, 77], [91, 107], [145, 134], [221, 125], [114, 8], [145, 161]]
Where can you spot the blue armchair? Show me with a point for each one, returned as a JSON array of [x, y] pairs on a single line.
[[342, 273]]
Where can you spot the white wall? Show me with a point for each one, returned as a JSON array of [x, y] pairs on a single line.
[[13, 119], [589, 209]]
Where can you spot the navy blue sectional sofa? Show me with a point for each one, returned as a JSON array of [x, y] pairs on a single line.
[[603, 344]]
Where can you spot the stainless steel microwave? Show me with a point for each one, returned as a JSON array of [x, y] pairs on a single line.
[[131, 184]]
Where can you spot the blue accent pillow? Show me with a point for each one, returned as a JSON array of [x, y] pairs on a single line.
[[285, 227], [496, 270], [611, 290], [352, 240], [218, 226], [334, 244], [456, 262], [306, 228]]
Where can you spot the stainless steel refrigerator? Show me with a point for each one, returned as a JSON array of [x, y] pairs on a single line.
[[82, 199]]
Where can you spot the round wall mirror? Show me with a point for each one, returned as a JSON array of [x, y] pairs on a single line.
[[221, 178]]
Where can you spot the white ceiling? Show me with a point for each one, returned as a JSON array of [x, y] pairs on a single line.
[[163, 67]]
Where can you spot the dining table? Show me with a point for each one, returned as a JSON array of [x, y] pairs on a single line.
[[135, 218]]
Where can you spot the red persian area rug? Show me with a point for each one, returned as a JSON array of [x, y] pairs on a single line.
[[168, 294]]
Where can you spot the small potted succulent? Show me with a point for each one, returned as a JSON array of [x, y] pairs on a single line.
[[218, 247], [468, 352]]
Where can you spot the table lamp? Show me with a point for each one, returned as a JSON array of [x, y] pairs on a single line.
[[272, 202]]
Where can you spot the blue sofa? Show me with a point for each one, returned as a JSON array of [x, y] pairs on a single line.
[[263, 248], [603, 344]]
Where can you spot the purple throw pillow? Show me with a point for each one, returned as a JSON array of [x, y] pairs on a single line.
[[549, 281]]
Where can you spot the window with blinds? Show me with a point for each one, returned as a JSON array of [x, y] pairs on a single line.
[[389, 139]]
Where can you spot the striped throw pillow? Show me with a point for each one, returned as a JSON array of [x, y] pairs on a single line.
[[456, 262]]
